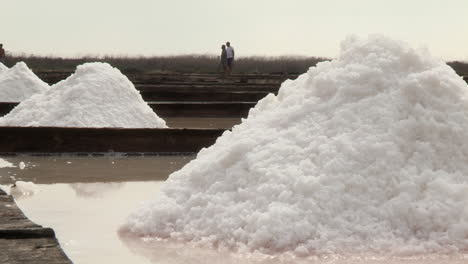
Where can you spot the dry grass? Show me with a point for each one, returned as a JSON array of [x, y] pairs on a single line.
[[182, 64], [188, 63]]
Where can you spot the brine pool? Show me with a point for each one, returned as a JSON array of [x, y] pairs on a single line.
[[85, 200]]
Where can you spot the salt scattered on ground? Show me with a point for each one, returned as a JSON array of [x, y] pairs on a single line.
[[19, 83], [96, 95], [22, 189], [5, 164], [366, 153]]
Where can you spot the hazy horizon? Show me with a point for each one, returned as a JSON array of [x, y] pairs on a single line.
[[310, 28]]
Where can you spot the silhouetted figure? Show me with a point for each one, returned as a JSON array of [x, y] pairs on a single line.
[[230, 56], [2, 54], [223, 60]]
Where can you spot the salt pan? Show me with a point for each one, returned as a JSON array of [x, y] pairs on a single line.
[[96, 95], [19, 83], [365, 153]]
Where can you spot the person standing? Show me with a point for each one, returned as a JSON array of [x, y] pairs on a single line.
[[223, 61], [2, 54], [230, 56]]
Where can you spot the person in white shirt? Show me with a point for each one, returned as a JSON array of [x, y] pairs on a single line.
[[230, 56]]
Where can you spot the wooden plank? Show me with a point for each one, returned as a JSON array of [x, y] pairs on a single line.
[[55, 76], [183, 109], [33, 250], [25, 233], [206, 88], [202, 109], [57, 139], [202, 96], [11, 217]]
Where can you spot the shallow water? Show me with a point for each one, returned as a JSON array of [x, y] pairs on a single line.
[[86, 199], [85, 217], [107, 168]]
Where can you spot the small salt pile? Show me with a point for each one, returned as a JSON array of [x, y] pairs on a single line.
[[5, 164], [96, 95], [366, 153], [19, 83], [23, 189]]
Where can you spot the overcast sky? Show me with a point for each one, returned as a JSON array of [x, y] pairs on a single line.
[[254, 27]]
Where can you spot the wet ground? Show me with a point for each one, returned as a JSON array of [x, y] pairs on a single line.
[[183, 122], [86, 199]]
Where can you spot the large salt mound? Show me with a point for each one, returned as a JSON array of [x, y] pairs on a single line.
[[19, 83], [366, 153], [96, 95]]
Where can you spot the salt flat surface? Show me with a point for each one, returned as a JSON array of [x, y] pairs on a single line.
[[96, 95], [366, 153], [19, 83]]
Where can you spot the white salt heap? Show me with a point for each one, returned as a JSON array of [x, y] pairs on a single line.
[[96, 95], [366, 153], [19, 83]]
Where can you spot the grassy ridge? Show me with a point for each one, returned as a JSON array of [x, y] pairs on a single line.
[[182, 63], [188, 63]]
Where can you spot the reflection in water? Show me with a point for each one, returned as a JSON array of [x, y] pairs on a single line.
[[94, 190], [87, 228], [160, 251], [22, 189]]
